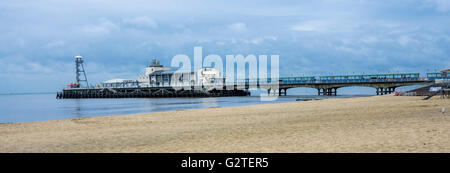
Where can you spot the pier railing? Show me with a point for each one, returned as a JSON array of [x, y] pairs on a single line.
[[287, 80], [282, 81]]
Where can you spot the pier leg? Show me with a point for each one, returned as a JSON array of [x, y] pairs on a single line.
[[279, 92], [285, 91]]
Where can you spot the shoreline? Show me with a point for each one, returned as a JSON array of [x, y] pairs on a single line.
[[229, 103], [359, 124]]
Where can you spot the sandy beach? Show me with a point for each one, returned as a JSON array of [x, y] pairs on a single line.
[[365, 124]]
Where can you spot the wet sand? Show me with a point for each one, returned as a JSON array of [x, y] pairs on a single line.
[[366, 124]]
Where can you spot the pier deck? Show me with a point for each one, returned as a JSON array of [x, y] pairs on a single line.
[[145, 92]]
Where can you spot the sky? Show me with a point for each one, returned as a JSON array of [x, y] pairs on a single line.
[[38, 39]]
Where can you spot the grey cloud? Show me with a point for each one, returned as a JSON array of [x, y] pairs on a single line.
[[39, 39], [140, 22]]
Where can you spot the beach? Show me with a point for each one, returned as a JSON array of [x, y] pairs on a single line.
[[364, 124]]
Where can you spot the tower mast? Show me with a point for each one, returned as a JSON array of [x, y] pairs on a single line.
[[80, 73]]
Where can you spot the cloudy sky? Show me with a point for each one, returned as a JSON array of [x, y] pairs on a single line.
[[38, 39]]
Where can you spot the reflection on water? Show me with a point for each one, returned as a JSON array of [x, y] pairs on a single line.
[[41, 107], [78, 108]]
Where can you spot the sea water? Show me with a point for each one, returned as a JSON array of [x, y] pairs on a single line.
[[41, 107]]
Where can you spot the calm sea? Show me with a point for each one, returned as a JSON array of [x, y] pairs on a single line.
[[41, 107]]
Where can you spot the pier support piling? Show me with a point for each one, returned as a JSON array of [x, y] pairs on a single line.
[[327, 91]]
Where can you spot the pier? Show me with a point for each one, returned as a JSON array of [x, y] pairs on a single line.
[[144, 92], [325, 85], [328, 85], [160, 81]]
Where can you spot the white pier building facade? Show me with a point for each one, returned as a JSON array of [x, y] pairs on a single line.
[[156, 75]]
